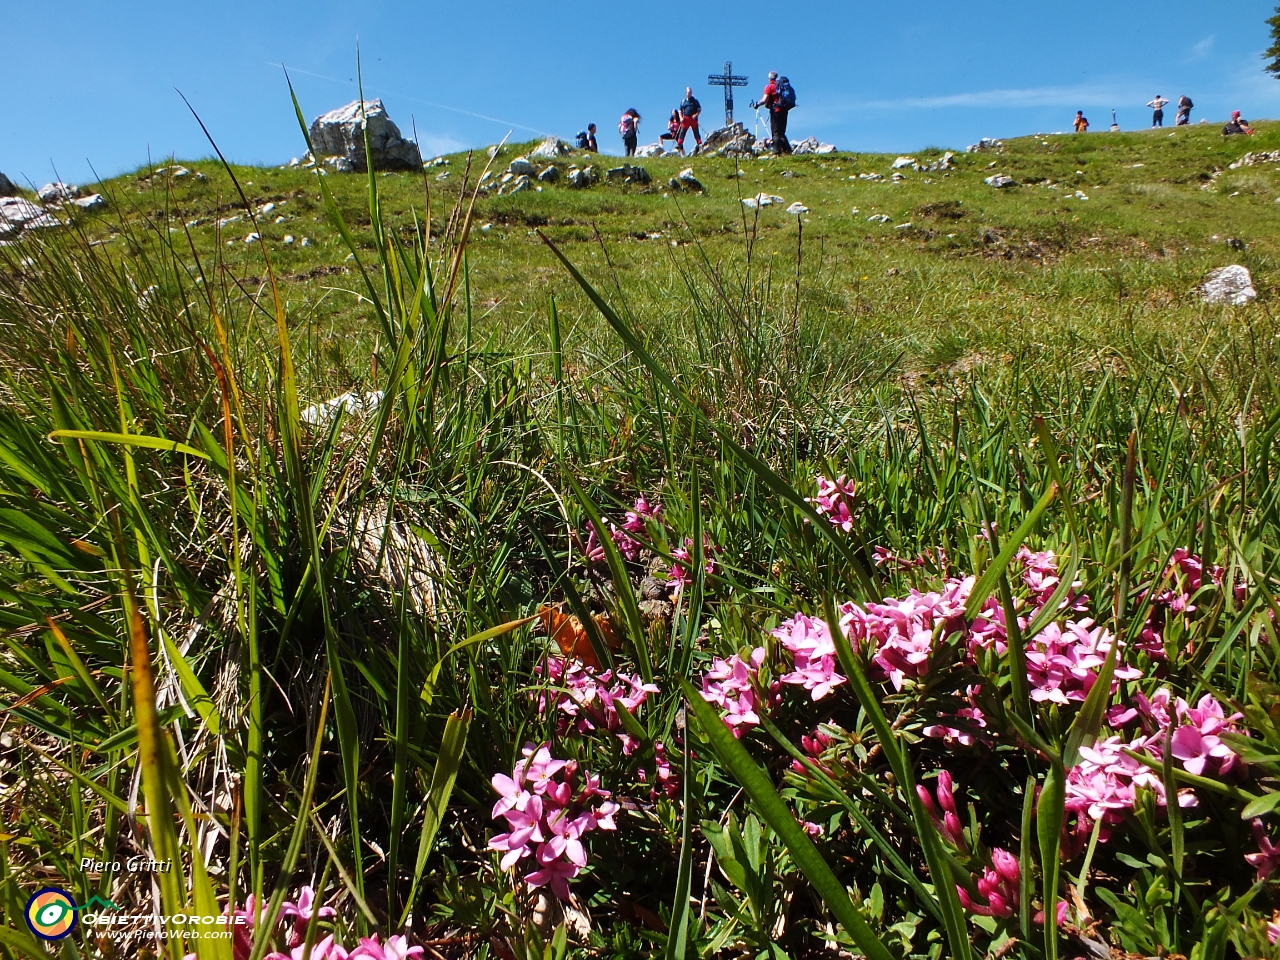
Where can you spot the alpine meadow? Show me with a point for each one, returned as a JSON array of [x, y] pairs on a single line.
[[830, 555]]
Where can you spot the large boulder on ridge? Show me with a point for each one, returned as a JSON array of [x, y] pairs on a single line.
[[341, 133]]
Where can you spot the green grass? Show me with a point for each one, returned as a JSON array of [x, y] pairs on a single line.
[[336, 618], [1137, 247]]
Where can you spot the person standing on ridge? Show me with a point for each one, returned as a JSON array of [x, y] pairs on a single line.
[[629, 127], [1081, 122], [592, 146], [1157, 106], [778, 98], [690, 109], [1184, 111]]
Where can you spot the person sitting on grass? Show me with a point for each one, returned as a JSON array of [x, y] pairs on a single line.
[[673, 126], [1081, 123], [1237, 124]]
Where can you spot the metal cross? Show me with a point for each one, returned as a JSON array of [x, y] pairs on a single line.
[[728, 81]]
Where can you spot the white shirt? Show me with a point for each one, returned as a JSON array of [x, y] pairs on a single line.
[[1157, 104]]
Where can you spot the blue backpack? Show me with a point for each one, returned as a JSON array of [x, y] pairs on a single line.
[[786, 94], [581, 141]]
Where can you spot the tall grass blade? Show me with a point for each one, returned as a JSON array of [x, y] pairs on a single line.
[[775, 812]]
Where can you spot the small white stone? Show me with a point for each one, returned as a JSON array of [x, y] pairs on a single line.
[[288, 238], [251, 238], [306, 242]]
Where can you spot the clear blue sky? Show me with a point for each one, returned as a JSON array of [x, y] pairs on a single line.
[[94, 83]]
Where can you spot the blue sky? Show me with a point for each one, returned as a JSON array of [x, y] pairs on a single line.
[[91, 86]]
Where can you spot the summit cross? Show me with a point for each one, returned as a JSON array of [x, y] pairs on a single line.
[[728, 81]]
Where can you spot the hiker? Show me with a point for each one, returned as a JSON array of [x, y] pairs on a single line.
[[1157, 105], [586, 139], [629, 127], [689, 112], [673, 126], [1184, 111], [1237, 124], [1081, 123], [778, 98]]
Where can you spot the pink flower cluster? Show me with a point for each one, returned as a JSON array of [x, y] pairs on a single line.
[[665, 780], [900, 633], [325, 947], [884, 557], [731, 685], [1063, 662], [547, 817], [833, 499], [590, 701], [1000, 886], [808, 639], [1195, 739], [1182, 579], [973, 717], [679, 575], [1104, 785], [1267, 859], [634, 522]]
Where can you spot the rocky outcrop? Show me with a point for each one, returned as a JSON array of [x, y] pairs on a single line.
[[17, 215], [7, 189], [551, 148], [685, 180], [811, 145], [58, 192], [1228, 285], [629, 173], [999, 181], [731, 141], [341, 133]]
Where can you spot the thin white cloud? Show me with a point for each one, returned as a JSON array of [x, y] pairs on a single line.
[[1201, 50], [1065, 96]]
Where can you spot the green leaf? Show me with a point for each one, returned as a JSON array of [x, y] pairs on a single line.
[[774, 810], [991, 576], [130, 440], [1260, 807]]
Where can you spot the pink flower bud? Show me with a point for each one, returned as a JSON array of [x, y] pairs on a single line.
[[945, 796], [1006, 865]]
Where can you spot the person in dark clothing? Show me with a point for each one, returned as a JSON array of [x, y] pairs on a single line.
[[772, 101], [690, 109], [629, 127], [1237, 124], [1184, 111], [592, 146]]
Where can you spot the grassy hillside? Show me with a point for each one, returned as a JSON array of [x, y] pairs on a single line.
[[966, 524], [953, 254]]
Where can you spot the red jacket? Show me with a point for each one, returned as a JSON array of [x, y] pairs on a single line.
[[770, 96]]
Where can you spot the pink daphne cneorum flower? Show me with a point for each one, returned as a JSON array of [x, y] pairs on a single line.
[[301, 913], [809, 641], [730, 685], [833, 499], [396, 948], [1267, 859], [547, 818], [948, 821], [325, 948], [999, 886]]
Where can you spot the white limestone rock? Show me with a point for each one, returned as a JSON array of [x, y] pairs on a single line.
[[1228, 285]]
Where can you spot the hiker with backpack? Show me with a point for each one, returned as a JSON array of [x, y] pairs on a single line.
[[779, 98], [586, 139], [690, 109], [629, 127], [1184, 111]]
